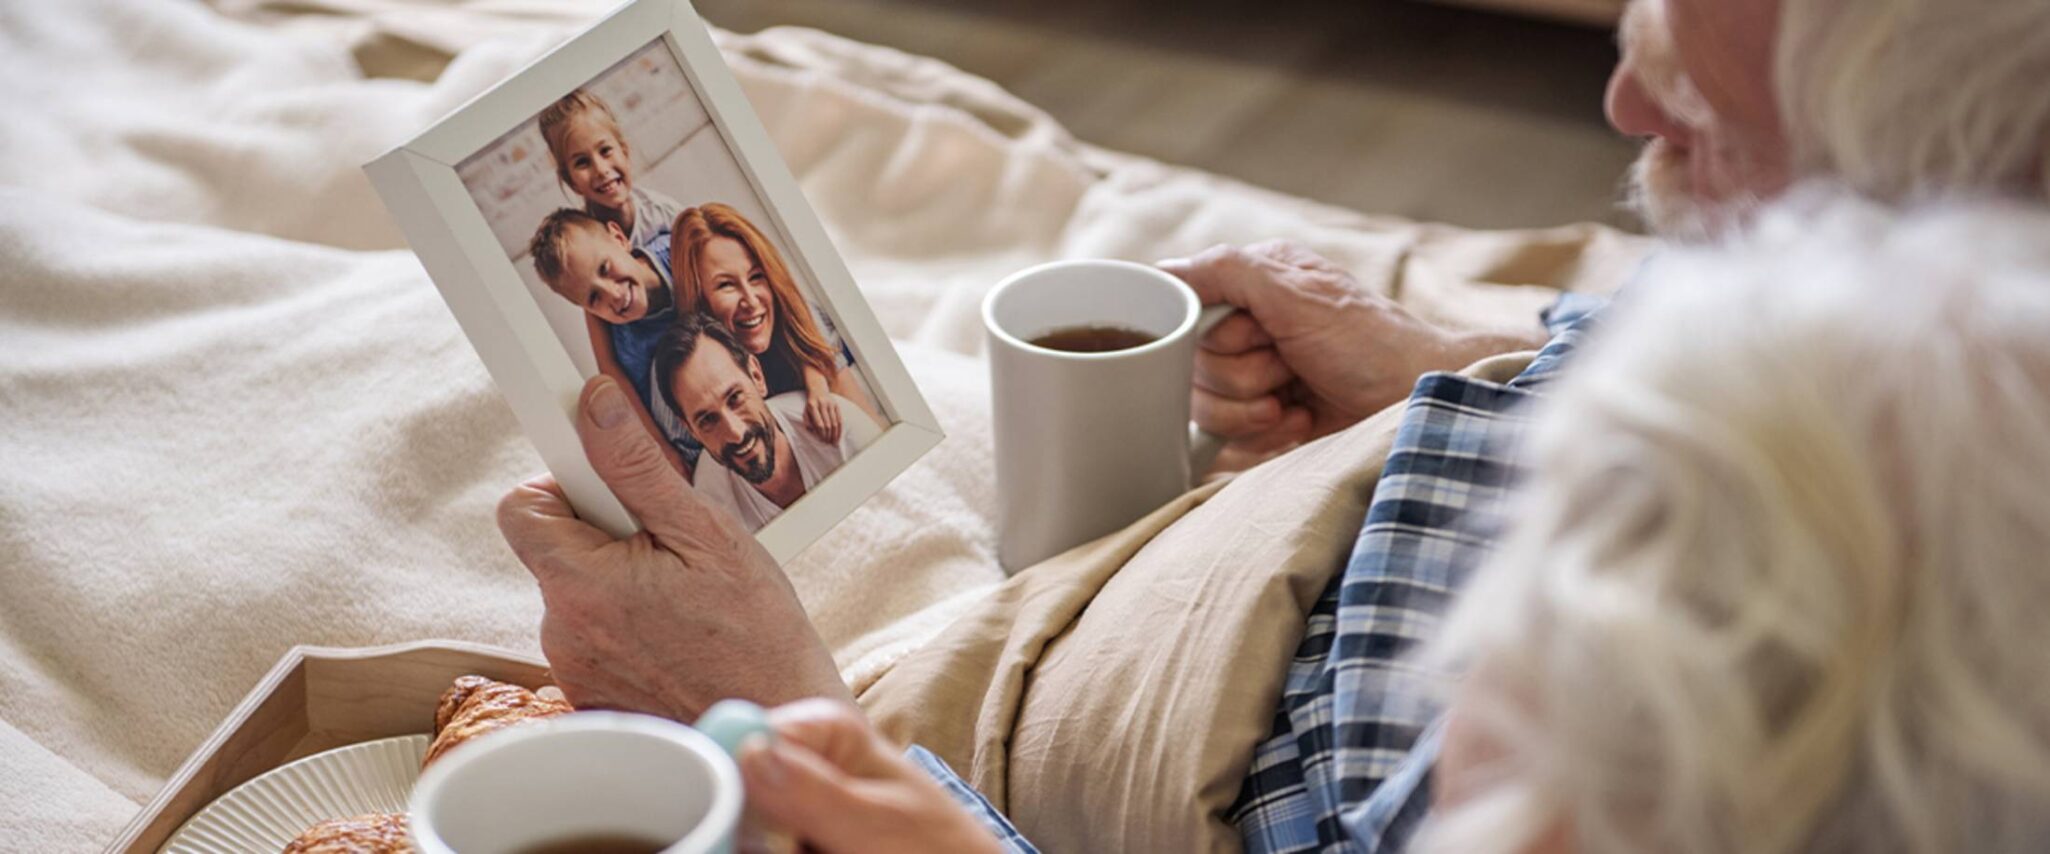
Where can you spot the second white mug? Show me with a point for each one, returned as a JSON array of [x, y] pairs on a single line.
[[566, 783], [1087, 443]]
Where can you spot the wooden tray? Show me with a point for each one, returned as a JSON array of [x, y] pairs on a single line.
[[315, 699]]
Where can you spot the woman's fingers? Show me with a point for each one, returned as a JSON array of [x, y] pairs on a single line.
[[837, 731], [822, 417], [797, 790]]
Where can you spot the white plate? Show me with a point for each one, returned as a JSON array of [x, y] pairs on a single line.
[[276, 806]]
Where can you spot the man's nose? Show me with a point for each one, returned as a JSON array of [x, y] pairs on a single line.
[[730, 428], [1634, 112]]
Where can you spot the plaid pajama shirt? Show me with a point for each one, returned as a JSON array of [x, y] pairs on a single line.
[[1347, 766]]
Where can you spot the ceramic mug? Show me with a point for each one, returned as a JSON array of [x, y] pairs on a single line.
[[588, 775], [1087, 443]]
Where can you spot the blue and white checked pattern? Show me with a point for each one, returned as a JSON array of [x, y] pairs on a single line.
[[1348, 764]]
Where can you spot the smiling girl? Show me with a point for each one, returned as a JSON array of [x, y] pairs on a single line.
[[594, 161], [726, 267]]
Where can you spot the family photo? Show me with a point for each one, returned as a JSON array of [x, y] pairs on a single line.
[[656, 263]]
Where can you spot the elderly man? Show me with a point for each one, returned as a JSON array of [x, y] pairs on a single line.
[[1738, 99], [758, 462]]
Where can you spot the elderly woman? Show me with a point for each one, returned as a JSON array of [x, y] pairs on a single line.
[[1776, 583]]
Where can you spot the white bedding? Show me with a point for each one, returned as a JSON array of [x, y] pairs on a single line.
[[238, 417]]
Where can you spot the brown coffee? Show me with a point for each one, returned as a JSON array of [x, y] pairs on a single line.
[[1093, 339], [597, 844]]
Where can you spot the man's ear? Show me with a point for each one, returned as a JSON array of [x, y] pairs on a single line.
[[612, 228], [754, 372]]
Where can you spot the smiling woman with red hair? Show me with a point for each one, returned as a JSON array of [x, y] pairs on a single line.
[[726, 267]]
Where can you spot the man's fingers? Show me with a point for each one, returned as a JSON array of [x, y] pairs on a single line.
[[1233, 418], [1237, 333], [1294, 254], [630, 462], [799, 790], [1242, 376], [1227, 274], [538, 523], [1294, 428]]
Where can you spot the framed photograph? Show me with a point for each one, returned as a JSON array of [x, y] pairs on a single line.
[[617, 208]]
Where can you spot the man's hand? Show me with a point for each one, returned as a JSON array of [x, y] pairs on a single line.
[[687, 612], [840, 788], [1312, 351]]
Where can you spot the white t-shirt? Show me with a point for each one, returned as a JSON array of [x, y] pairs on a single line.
[[815, 458], [654, 215]]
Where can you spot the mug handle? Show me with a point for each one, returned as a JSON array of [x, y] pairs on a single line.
[[732, 722], [1204, 445]]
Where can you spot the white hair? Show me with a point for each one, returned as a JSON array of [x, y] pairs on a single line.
[[1914, 99], [1778, 579]]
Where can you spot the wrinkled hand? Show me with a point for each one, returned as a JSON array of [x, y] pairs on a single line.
[[822, 415], [840, 788], [1311, 352], [687, 612]]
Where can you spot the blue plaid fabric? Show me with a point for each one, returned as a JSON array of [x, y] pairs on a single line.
[[1347, 766], [971, 800]]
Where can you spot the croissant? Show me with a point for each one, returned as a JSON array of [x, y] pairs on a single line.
[[376, 833], [475, 705]]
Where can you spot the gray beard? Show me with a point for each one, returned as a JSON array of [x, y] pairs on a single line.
[[1669, 212]]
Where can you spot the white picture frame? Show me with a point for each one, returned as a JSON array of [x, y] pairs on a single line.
[[532, 366]]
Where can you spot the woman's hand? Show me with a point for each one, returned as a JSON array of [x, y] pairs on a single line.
[[836, 785], [821, 412], [1312, 351], [687, 612]]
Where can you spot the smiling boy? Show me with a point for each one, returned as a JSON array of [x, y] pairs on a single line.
[[593, 160], [627, 302]]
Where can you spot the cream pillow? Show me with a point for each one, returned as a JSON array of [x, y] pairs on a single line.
[[1110, 698]]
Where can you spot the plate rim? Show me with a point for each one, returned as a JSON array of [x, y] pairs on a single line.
[[323, 755]]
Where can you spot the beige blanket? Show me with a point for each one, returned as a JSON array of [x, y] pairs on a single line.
[[238, 417]]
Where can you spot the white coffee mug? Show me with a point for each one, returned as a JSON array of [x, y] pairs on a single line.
[[579, 776], [1087, 443]]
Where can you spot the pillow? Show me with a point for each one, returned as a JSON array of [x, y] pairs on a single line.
[[1110, 698]]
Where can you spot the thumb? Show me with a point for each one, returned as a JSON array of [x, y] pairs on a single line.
[[542, 529], [800, 791], [633, 466]]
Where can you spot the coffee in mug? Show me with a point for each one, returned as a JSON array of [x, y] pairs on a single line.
[[1094, 339], [605, 844]]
